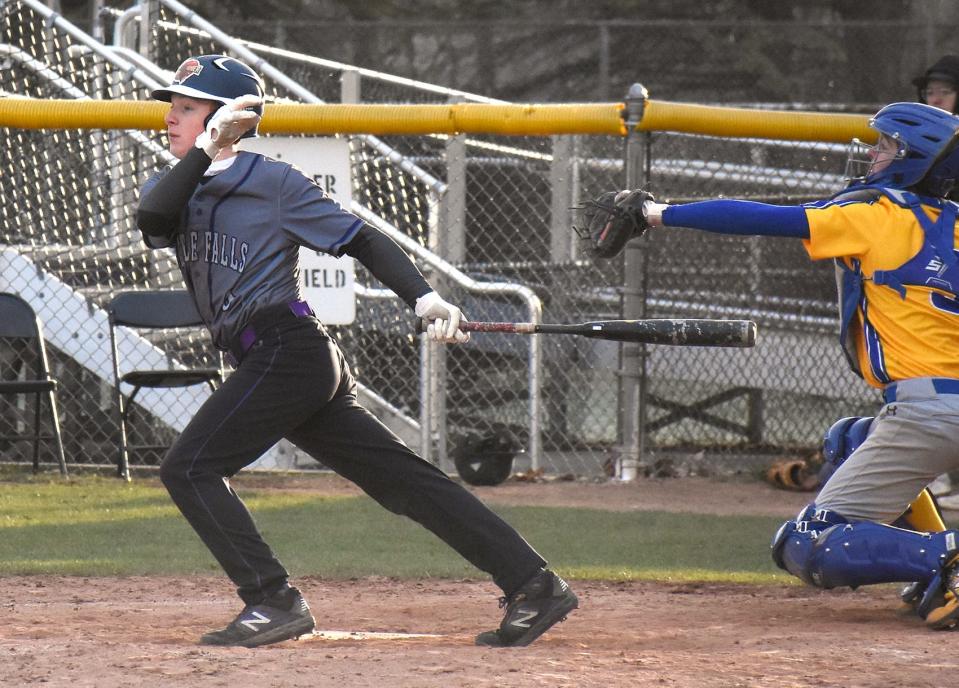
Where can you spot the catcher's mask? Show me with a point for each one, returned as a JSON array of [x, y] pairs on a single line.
[[214, 77], [863, 157], [925, 141]]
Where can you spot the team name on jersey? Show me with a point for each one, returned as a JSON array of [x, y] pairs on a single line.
[[215, 248]]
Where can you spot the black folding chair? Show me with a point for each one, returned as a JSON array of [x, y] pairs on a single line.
[[152, 310], [22, 335]]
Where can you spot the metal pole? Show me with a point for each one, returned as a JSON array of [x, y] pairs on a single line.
[[350, 86], [148, 9], [603, 76], [426, 401], [633, 377], [448, 240], [535, 401], [561, 199]]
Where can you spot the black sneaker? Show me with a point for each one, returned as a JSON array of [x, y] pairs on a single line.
[[945, 615], [531, 611], [280, 617]]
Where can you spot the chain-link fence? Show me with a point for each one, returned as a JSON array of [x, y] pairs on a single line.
[[68, 238], [787, 390], [497, 208]]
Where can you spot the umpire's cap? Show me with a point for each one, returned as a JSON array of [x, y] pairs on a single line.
[[214, 77], [945, 69]]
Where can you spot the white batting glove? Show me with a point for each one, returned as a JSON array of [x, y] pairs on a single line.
[[445, 317], [437, 331], [228, 124]]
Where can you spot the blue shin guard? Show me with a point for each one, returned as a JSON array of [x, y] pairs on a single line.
[[824, 550]]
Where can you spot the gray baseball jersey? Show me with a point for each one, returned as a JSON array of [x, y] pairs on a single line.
[[238, 243]]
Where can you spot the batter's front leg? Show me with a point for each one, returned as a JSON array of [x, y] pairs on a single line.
[[351, 441], [248, 414]]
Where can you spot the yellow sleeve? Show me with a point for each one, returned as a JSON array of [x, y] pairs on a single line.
[[850, 230]]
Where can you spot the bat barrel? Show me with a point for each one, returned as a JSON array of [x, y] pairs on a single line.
[[675, 332]]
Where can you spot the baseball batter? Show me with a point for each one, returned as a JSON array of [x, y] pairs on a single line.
[[893, 238], [237, 220]]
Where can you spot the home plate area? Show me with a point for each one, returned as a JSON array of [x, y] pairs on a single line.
[[365, 635]]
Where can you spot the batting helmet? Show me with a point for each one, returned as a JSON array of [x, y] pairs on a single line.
[[926, 138], [214, 77], [486, 459]]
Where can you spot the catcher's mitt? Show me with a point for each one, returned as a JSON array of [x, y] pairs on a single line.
[[612, 219], [798, 475]]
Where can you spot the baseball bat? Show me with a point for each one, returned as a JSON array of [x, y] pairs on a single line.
[[669, 331]]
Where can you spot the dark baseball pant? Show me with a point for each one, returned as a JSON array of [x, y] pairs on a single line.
[[295, 383]]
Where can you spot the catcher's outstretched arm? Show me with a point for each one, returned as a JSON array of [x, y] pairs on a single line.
[[613, 218], [726, 216]]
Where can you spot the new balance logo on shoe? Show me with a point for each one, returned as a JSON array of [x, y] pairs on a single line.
[[532, 610], [524, 616], [281, 617], [257, 620]]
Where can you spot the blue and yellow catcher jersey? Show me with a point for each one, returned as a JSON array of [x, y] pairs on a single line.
[[907, 321]]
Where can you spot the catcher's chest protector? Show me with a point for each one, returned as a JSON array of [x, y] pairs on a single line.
[[934, 265]]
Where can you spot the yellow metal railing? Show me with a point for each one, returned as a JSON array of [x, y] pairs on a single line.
[[458, 118]]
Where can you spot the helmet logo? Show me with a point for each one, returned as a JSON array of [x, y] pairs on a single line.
[[191, 67]]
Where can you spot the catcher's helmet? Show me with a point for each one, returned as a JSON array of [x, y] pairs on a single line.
[[926, 158], [842, 438], [214, 77]]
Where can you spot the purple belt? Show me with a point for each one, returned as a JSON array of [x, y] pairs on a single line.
[[261, 321]]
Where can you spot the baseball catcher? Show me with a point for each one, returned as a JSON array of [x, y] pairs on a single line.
[[892, 235]]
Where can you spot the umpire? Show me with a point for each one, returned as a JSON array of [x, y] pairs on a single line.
[[237, 220]]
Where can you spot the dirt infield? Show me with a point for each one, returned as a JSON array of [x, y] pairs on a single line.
[[112, 633], [108, 633]]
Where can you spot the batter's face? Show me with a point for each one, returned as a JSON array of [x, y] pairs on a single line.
[[184, 122]]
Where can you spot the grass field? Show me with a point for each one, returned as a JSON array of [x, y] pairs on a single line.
[[102, 526]]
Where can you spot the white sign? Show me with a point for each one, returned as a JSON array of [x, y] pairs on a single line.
[[326, 282]]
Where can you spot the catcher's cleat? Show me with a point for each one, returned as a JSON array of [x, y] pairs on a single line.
[[531, 611], [945, 615], [281, 617], [911, 595]]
